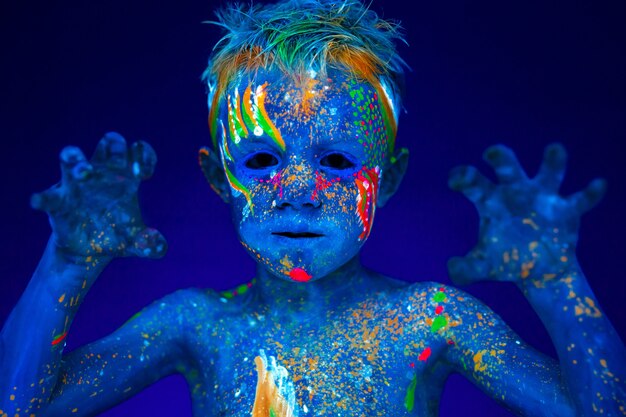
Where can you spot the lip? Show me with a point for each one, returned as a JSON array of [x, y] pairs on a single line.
[[298, 235]]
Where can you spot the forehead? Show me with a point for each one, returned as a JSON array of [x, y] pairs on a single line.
[[335, 106]]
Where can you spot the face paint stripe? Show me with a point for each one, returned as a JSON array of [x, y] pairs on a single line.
[[367, 183], [234, 136], [248, 114], [388, 118], [241, 127], [59, 339], [235, 184], [225, 150], [264, 120]]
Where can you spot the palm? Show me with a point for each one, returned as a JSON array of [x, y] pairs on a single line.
[[94, 210], [527, 230]]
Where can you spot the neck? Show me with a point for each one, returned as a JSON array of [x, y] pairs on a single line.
[[304, 299]]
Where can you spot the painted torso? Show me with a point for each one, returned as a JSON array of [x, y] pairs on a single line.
[[362, 356]]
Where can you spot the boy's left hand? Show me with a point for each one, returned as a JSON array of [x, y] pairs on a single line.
[[527, 230]]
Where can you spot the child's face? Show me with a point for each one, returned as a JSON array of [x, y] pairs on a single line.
[[304, 161]]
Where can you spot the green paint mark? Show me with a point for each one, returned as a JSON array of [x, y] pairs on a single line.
[[440, 296], [438, 323], [409, 398], [272, 412], [242, 289], [133, 317], [234, 182]]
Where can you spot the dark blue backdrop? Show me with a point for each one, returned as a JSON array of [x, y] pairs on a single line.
[[520, 73]]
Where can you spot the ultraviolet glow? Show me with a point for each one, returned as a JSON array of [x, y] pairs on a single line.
[[297, 123]]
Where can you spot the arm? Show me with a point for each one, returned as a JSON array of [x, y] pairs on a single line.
[[94, 217], [528, 236], [481, 347]]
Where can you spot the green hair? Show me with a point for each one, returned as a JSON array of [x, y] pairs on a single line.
[[297, 36]]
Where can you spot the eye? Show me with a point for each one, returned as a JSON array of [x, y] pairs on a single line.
[[337, 161], [261, 160]]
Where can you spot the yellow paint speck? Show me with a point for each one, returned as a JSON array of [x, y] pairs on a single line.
[[603, 363]]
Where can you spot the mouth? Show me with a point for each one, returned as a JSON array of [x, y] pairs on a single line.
[[298, 235]]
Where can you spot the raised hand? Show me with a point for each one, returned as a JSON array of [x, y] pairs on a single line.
[[93, 210], [528, 232]]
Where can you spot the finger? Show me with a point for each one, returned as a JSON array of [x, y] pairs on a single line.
[[468, 269], [74, 165], [143, 159], [586, 199], [505, 163], [111, 151], [474, 185], [552, 169], [50, 200], [149, 243]]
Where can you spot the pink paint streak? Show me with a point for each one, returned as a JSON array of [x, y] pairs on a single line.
[[299, 275]]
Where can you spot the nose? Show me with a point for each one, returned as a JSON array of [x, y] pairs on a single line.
[[298, 187]]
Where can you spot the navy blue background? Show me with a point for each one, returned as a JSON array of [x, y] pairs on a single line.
[[519, 73]]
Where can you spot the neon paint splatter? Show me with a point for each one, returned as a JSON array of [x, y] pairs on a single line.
[[275, 394], [276, 181], [438, 323], [261, 116], [409, 398], [440, 296], [238, 186], [321, 184], [58, 339], [239, 290], [439, 310], [299, 275], [367, 184], [424, 355]]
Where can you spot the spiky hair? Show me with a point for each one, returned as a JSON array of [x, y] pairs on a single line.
[[297, 36]]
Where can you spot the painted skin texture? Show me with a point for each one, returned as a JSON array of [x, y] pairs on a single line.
[[348, 341]]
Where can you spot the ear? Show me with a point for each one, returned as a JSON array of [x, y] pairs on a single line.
[[211, 166], [394, 171]]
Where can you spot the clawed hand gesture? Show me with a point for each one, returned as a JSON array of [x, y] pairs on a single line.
[[528, 231], [93, 210]]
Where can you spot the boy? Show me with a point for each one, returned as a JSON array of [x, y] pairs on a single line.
[[306, 153]]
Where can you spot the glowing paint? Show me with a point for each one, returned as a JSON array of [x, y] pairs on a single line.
[[59, 339], [424, 355], [264, 120], [367, 185], [238, 186], [439, 310], [273, 398], [440, 296], [409, 398], [321, 184], [248, 112], [299, 275], [438, 323], [240, 290]]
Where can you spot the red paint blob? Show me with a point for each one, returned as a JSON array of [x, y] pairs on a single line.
[[451, 342], [424, 355], [438, 310], [299, 274]]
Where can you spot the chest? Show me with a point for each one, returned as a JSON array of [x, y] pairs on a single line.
[[355, 364]]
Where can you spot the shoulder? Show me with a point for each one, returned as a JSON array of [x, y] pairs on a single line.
[[445, 310], [183, 308]]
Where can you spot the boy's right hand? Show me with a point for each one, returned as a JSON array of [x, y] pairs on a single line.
[[94, 211]]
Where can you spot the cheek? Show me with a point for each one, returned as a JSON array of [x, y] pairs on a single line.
[[350, 202]]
